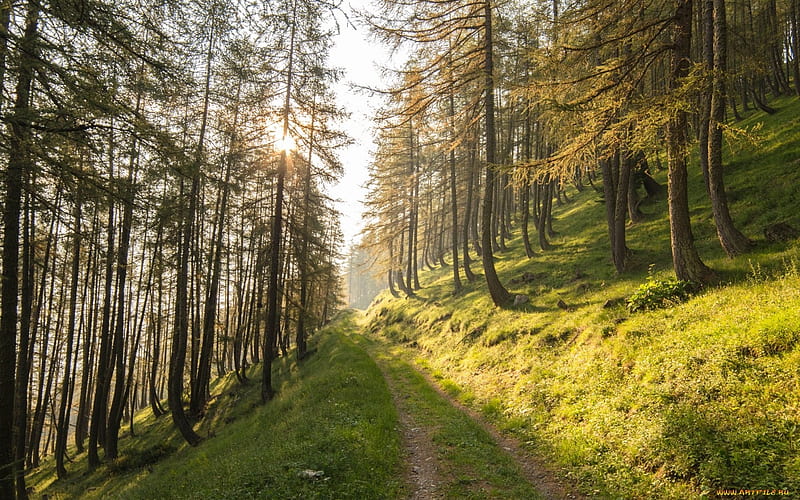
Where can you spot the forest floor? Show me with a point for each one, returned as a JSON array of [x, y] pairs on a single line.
[[432, 469]]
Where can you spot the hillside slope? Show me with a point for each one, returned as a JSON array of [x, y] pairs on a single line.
[[680, 402], [355, 420], [330, 433]]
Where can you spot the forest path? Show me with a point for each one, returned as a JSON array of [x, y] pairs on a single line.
[[449, 450]]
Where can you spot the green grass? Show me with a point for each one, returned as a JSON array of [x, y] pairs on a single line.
[[333, 413], [472, 464], [672, 403]]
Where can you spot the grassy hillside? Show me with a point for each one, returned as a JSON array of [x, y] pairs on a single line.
[[678, 402], [334, 431], [320, 438]]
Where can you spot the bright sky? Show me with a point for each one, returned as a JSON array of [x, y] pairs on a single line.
[[360, 57]]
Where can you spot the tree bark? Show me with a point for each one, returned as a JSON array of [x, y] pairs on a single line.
[[685, 258], [732, 240], [20, 164], [454, 199], [66, 403], [267, 391], [500, 296]]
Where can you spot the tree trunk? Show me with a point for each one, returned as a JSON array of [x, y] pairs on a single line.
[[156, 322], [686, 261], [199, 395], [104, 367], [465, 231], [66, 403], [500, 296], [90, 291], [41, 302], [705, 98], [542, 193], [20, 164], [119, 338], [733, 242], [181, 324], [795, 36], [620, 250], [267, 391], [304, 258], [24, 348], [454, 199]]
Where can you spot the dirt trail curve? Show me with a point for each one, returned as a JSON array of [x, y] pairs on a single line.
[[425, 475]]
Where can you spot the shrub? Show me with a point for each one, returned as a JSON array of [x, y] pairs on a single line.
[[655, 294]]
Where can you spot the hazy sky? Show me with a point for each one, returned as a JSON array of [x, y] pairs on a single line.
[[360, 57]]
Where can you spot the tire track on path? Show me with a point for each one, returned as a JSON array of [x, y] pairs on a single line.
[[449, 450]]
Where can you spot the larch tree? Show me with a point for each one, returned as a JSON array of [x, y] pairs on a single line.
[[446, 27]]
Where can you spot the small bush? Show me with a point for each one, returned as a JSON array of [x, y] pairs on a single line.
[[655, 294]]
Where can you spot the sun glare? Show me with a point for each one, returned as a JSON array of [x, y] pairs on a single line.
[[286, 144]]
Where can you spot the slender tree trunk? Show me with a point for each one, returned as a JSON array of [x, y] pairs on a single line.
[[468, 218], [705, 99], [304, 259], [5, 22], [685, 258], [525, 198], [104, 366], [87, 344], [19, 167], [409, 281], [156, 322], [47, 371], [454, 199], [52, 241], [66, 403], [616, 180], [794, 14], [24, 348], [621, 251], [500, 296], [182, 303], [267, 391], [118, 344], [200, 389], [542, 193], [525, 191], [180, 335], [732, 241]]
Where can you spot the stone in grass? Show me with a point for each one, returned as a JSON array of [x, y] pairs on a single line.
[[613, 302], [780, 232], [312, 475], [521, 299]]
